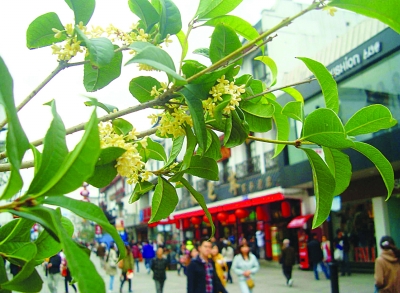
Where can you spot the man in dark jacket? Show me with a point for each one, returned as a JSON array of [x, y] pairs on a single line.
[[158, 266], [342, 244], [288, 259], [201, 274], [316, 256], [54, 275]]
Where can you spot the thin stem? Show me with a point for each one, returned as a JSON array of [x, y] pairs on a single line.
[[190, 27], [296, 143], [250, 44], [279, 88], [60, 66]]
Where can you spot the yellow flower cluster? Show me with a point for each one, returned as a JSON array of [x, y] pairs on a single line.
[[71, 46], [331, 10], [130, 164], [135, 35], [157, 92], [172, 121], [224, 87]]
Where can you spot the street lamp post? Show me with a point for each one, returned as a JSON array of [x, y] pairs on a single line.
[[333, 265]]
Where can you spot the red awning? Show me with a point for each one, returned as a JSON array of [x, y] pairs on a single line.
[[240, 203], [299, 221], [165, 221]]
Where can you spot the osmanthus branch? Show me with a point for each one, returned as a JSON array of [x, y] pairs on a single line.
[[296, 143], [252, 43], [280, 88]]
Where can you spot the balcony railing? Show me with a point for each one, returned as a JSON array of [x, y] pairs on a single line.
[[269, 162], [248, 167]]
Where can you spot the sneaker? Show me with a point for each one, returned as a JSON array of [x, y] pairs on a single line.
[[290, 283]]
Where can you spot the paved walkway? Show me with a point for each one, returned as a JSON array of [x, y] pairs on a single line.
[[268, 280]]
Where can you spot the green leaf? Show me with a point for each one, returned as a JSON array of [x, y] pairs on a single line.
[[33, 283], [213, 149], [224, 41], [213, 8], [164, 200], [294, 93], [145, 11], [191, 143], [109, 155], [387, 11], [177, 145], [170, 22], [16, 142], [340, 166], [96, 78], [16, 232], [103, 175], [83, 10], [140, 87], [90, 212], [40, 34], [192, 67], [3, 276], [238, 129], [272, 67], [262, 110], [140, 188], [193, 98], [157, 58], [79, 263], [156, 150], [205, 52], [106, 107], [78, 165], [282, 127], [324, 128], [203, 167], [37, 158], [122, 126], [326, 81], [101, 50], [370, 119], [200, 199], [184, 44], [54, 152], [294, 110], [239, 25], [324, 186], [381, 163], [258, 124]]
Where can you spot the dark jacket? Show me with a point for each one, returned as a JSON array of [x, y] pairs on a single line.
[[158, 266], [196, 278], [315, 254], [55, 261], [288, 257]]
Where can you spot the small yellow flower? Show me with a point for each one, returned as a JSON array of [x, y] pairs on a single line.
[[154, 92], [167, 40], [331, 10], [69, 28]]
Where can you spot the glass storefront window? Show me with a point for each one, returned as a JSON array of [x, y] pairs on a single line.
[[378, 84]]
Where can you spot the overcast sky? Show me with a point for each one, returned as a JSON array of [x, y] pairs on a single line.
[[30, 67]]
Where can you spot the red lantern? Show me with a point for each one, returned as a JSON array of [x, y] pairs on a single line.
[[231, 219], [195, 220], [222, 216], [178, 224], [186, 223], [261, 214], [285, 208], [241, 213]]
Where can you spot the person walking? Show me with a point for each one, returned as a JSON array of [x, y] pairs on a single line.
[[387, 267], [260, 236], [326, 251], [65, 272], [184, 258], [245, 265], [287, 260], [101, 252], [228, 253], [148, 255], [341, 253], [316, 256], [159, 266], [126, 266], [221, 267], [111, 265], [136, 255], [53, 269], [201, 274]]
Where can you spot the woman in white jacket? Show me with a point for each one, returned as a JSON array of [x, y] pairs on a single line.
[[245, 265]]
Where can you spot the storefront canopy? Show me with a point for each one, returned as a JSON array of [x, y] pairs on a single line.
[[231, 204], [299, 221]]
